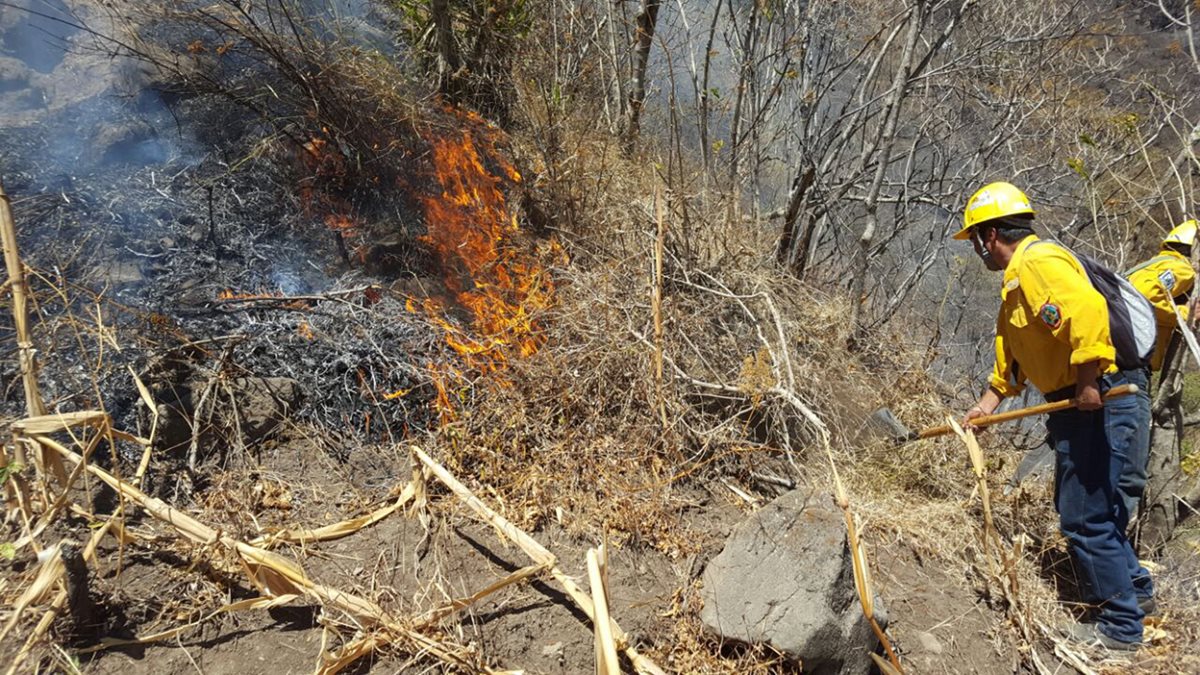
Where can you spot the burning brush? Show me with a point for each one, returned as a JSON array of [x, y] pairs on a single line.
[[489, 266]]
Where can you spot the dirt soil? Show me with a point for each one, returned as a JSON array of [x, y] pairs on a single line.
[[939, 624], [396, 562]]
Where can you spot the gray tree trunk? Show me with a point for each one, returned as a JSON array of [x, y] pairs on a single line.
[[447, 52], [1158, 513], [647, 22]]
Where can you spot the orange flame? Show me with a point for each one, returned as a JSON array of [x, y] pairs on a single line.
[[477, 238], [324, 165], [348, 227]]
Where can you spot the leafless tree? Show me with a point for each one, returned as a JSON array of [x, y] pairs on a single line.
[[646, 22]]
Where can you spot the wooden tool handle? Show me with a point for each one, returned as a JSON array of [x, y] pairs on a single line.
[[988, 420]]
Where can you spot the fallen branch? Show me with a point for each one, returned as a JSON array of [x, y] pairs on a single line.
[[433, 616], [606, 648], [336, 530], [540, 555], [275, 575]]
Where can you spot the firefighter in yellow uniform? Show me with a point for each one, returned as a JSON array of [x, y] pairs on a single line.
[[1167, 280], [1053, 331]]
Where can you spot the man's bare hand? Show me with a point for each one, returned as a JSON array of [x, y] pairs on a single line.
[[1087, 397], [986, 405], [972, 414], [1087, 392]]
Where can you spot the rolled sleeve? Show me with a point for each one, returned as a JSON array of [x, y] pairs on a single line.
[[1105, 354], [1004, 387], [1056, 279]]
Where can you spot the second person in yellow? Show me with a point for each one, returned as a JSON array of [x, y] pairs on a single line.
[[1167, 280]]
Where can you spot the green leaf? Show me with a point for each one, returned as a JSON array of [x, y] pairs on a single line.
[[1087, 140], [7, 551], [10, 470], [1077, 166]]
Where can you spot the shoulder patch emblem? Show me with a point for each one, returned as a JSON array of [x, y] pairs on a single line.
[[1167, 277], [1050, 315]]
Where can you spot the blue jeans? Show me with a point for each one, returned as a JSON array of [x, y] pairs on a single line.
[[1091, 450], [1132, 483]]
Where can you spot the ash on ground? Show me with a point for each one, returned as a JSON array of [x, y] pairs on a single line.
[[173, 227]]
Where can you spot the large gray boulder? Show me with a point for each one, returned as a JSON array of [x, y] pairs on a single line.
[[785, 579]]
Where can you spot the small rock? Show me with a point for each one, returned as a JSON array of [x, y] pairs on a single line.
[[929, 643], [130, 141], [555, 649]]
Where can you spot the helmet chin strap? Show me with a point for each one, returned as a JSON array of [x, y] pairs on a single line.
[[990, 262]]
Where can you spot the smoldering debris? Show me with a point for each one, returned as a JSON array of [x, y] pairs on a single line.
[[189, 228]]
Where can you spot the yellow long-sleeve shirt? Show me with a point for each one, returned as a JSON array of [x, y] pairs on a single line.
[[1051, 320], [1165, 280]]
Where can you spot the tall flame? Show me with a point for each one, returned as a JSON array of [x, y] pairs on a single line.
[[493, 273]]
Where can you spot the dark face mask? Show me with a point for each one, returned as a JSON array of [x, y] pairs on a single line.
[[984, 254]]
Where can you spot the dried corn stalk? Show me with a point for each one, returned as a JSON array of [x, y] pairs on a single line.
[[540, 555]]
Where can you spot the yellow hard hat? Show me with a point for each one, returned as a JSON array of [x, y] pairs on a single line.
[[994, 200], [1183, 234]]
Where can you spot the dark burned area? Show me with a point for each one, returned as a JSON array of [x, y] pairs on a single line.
[[274, 286], [190, 224]]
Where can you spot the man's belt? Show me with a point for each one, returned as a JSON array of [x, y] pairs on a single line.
[[1106, 382]]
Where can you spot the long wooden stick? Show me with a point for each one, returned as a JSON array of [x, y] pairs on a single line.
[[606, 648], [979, 466], [26, 355], [1188, 336], [656, 304], [988, 420]]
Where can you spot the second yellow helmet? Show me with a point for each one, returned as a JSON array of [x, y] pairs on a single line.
[[1183, 234], [994, 200]]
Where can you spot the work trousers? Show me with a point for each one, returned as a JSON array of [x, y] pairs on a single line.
[[1091, 451], [1132, 484]]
